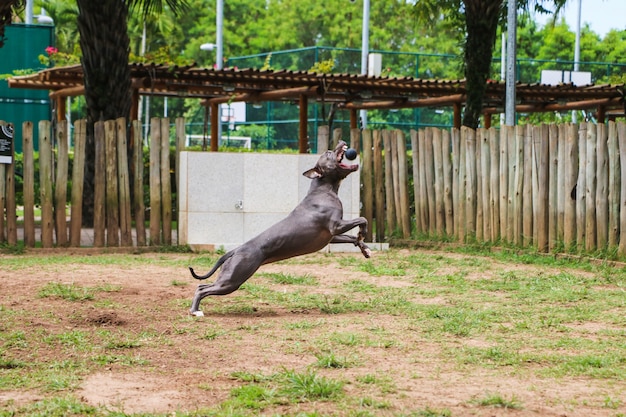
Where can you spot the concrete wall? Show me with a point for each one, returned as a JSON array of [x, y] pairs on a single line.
[[226, 198]]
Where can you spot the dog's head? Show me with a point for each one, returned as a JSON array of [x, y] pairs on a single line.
[[331, 166]]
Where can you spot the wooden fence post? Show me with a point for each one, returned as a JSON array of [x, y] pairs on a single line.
[[139, 205], [389, 198], [28, 176], [591, 183], [614, 182], [420, 227], [379, 185], [602, 194], [553, 195], [366, 180], [403, 181], [99, 201], [621, 138], [542, 189], [155, 181], [78, 172], [45, 183], [504, 181], [570, 184], [462, 208], [494, 180], [429, 178], [527, 189], [123, 180], [166, 182], [112, 189], [456, 180], [60, 188], [484, 180], [560, 182], [581, 186], [470, 175], [447, 183], [438, 173]]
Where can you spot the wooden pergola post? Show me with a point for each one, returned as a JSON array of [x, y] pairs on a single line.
[[303, 137], [214, 127]]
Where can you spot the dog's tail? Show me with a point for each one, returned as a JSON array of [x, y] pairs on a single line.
[[219, 263]]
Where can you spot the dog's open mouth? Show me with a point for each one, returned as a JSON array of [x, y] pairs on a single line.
[[340, 154]]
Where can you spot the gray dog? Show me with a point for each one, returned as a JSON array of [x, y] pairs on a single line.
[[314, 223]]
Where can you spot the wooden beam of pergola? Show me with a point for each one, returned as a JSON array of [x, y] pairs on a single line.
[[264, 96], [574, 105], [404, 104]]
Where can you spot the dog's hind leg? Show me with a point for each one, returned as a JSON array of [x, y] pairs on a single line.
[[235, 271]]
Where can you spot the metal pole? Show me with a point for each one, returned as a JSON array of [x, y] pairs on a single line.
[[510, 62], [365, 51], [29, 12], [219, 56], [577, 50]]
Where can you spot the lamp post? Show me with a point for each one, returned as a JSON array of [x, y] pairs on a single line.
[[577, 51]]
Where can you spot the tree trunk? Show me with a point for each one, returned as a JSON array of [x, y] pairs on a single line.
[[481, 20], [105, 47]]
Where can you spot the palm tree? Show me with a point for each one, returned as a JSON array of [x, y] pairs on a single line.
[[104, 43], [480, 19]]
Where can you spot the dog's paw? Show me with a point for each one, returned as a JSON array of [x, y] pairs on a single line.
[[197, 313]]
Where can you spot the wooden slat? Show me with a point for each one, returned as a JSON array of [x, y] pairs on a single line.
[[112, 187], [155, 181], [403, 183], [590, 198], [504, 180], [28, 176], [60, 188], [45, 184], [78, 172], [379, 186], [389, 198], [438, 170], [429, 179], [602, 187], [570, 184], [99, 211], [553, 169], [527, 190], [366, 180], [138, 201], [417, 179], [447, 183], [581, 186], [456, 163], [614, 182], [621, 138], [494, 184], [123, 181], [166, 182], [543, 190]]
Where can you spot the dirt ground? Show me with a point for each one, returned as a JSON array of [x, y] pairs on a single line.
[[187, 370]]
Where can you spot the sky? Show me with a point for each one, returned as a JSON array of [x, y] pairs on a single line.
[[602, 15]]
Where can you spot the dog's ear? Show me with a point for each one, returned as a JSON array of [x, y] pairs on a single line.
[[312, 173]]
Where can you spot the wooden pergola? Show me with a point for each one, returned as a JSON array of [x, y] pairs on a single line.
[[347, 91]]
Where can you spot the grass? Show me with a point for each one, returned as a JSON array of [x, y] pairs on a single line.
[[401, 319]]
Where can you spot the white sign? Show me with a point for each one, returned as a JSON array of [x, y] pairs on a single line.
[[556, 77]]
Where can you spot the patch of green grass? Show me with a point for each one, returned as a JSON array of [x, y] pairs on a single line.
[[55, 407], [69, 292], [290, 279], [308, 386], [331, 360], [498, 401]]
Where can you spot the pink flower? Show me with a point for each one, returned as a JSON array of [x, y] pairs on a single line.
[[51, 50]]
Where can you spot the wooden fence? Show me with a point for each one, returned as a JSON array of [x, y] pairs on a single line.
[[554, 187], [114, 206]]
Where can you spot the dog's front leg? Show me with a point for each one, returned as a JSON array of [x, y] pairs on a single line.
[[344, 226]]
